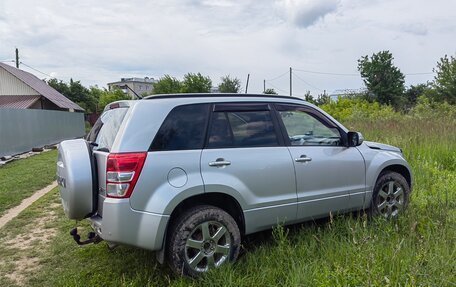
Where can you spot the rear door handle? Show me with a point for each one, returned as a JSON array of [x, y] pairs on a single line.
[[219, 162], [303, 158]]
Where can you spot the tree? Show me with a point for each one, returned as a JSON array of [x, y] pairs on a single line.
[[309, 98], [323, 99], [196, 83], [229, 85], [95, 94], [167, 85], [382, 79], [412, 94], [270, 91], [60, 86], [445, 80], [76, 92], [108, 97]]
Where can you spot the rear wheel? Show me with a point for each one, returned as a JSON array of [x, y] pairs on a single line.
[[391, 195], [202, 238]]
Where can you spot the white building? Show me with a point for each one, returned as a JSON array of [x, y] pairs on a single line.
[[135, 87]]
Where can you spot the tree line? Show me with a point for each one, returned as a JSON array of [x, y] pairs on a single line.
[[384, 82]]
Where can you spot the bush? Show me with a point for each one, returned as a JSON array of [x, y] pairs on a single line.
[[349, 109], [427, 108]]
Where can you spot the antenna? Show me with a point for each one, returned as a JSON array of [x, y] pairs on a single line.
[[17, 58]]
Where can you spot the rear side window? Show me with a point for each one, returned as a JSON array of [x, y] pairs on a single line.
[[242, 129], [184, 128], [104, 131]]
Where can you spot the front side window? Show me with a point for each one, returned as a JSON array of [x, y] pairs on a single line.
[[183, 129], [305, 128], [242, 129]]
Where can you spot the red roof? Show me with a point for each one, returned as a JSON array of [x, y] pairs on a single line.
[[42, 88], [18, 102]]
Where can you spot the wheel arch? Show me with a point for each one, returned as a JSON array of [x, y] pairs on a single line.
[[375, 170], [221, 200], [400, 169]]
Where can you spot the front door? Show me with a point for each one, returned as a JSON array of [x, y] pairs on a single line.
[[329, 176]]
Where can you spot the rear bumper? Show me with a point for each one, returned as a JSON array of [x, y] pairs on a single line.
[[121, 224]]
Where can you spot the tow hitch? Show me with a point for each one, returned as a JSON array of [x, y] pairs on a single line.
[[92, 237]]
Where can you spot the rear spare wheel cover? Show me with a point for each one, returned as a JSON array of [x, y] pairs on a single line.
[[74, 176]]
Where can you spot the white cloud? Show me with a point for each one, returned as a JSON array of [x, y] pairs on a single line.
[[305, 13], [414, 28], [102, 41]]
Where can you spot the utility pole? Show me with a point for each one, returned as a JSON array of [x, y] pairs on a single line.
[[264, 86], [17, 58], [247, 84], [291, 82]]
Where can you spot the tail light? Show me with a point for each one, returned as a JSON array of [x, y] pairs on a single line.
[[122, 173]]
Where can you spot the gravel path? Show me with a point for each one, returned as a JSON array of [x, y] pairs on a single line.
[[13, 212]]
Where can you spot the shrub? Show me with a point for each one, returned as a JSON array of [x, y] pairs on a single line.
[[427, 108], [349, 109]]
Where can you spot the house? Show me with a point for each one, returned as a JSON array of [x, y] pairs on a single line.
[[23, 90], [135, 87]]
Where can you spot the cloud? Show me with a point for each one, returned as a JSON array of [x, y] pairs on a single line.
[[103, 41], [414, 28], [305, 13]]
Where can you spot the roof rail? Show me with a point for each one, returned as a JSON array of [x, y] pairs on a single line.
[[214, 95]]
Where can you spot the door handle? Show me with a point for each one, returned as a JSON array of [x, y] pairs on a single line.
[[303, 158], [219, 162]]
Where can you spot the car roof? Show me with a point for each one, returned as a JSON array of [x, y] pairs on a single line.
[[194, 98], [219, 95]]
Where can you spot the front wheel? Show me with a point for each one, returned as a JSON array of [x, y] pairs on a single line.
[[391, 195], [202, 238]]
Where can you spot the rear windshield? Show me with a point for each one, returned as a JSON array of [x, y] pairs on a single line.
[[104, 131]]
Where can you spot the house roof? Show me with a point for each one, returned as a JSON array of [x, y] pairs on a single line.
[[18, 102], [42, 88]]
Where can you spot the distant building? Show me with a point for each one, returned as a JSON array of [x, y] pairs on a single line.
[[22, 90], [344, 93], [135, 87], [215, 90]]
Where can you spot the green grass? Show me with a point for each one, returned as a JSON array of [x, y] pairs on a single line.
[[418, 249], [21, 178]]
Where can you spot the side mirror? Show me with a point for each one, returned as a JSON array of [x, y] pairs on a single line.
[[354, 139]]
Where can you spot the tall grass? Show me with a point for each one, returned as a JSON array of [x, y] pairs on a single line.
[[418, 249]]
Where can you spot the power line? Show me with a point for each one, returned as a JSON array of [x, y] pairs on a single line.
[[6, 61], [354, 75], [277, 88], [279, 76], [416, 74], [326, 73], [36, 70], [307, 83]]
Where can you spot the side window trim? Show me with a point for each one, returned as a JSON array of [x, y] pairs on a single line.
[[278, 107], [244, 107]]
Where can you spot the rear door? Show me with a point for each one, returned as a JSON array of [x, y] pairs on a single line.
[[245, 157], [102, 136], [329, 176]]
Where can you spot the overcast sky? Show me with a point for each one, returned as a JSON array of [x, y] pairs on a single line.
[[101, 41]]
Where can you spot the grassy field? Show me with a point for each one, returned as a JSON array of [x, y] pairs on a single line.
[[418, 249], [19, 179]]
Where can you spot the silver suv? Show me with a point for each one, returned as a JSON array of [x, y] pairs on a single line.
[[189, 175]]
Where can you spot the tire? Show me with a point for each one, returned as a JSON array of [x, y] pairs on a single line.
[[202, 238], [391, 195]]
